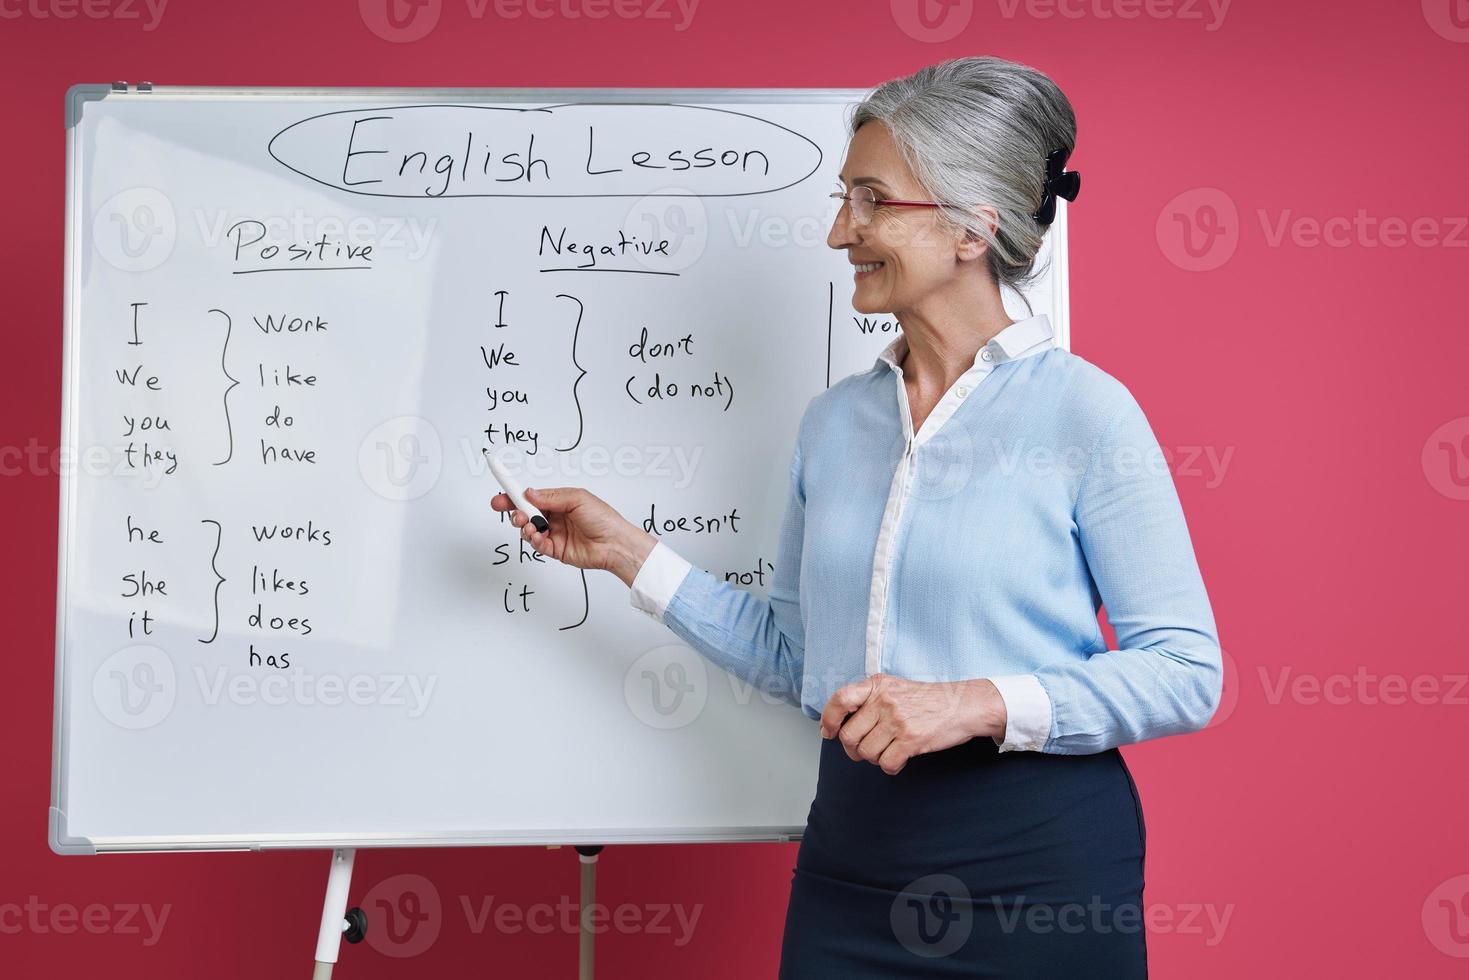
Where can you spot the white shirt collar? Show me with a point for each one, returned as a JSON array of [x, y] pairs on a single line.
[[1023, 338]]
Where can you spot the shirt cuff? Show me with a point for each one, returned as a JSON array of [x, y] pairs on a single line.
[[1027, 710], [659, 578]]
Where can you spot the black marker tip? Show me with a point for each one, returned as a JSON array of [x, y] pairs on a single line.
[[540, 523]]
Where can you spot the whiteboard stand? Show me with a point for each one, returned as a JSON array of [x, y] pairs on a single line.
[[336, 921], [587, 858]]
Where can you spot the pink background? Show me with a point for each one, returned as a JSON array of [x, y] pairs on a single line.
[[1308, 384]]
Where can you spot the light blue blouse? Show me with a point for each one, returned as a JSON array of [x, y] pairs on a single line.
[[980, 546]]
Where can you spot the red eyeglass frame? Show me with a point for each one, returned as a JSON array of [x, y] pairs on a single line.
[[880, 202]]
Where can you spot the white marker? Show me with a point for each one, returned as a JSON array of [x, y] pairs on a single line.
[[517, 495]]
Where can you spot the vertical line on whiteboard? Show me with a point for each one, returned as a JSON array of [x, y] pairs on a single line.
[[831, 289]]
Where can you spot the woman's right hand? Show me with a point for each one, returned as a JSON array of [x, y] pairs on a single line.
[[585, 531]]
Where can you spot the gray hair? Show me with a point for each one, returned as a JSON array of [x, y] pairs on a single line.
[[976, 131]]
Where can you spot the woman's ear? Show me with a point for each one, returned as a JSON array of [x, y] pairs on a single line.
[[971, 246]]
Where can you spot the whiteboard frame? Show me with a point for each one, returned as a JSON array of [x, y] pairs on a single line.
[[76, 98]]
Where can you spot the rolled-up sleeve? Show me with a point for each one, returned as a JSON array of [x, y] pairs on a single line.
[[1164, 678], [1027, 710], [654, 586]]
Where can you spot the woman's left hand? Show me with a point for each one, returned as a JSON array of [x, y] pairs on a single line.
[[888, 720]]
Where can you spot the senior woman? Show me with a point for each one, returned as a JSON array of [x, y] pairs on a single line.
[[957, 514]]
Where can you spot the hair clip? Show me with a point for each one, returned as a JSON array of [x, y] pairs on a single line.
[[1059, 181]]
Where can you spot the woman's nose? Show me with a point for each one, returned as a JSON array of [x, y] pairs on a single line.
[[843, 231]]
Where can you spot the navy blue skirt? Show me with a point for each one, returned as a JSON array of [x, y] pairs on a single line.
[[970, 863]]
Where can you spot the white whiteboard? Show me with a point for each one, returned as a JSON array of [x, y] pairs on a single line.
[[433, 684]]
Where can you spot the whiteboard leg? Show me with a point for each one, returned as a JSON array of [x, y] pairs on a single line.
[[333, 913], [586, 953]]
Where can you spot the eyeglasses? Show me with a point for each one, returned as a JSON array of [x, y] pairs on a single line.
[[864, 202]]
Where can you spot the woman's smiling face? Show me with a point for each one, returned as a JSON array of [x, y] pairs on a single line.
[[901, 255]]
